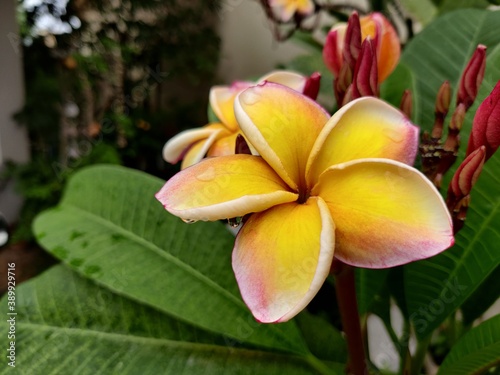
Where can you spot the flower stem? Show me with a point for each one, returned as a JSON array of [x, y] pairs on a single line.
[[346, 296]]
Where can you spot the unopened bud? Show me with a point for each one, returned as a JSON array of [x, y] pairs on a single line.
[[311, 88], [472, 77], [332, 51], [365, 79], [464, 179], [352, 44], [467, 174], [406, 104], [486, 125], [342, 83], [443, 100]]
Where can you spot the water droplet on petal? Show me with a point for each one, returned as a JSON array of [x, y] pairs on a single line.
[[189, 221], [250, 97], [394, 135], [207, 175]]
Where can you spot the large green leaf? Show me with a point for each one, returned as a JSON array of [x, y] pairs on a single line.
[[393, 87], [110, 228], [442, 50], [68, 325], [436, 287], [482, 298], [477, 351]]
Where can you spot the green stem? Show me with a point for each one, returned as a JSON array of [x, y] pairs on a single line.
[[418, 359], [346, 297]]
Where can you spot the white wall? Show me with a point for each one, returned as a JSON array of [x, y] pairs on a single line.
[[13, 138], [248, 47]]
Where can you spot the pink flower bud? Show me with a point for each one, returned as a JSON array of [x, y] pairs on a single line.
[[443, 98], [486, 125], [365, 79], [467, 174], [464, 179], [352, 44], [311, 88], [332, 51], [472, 77]]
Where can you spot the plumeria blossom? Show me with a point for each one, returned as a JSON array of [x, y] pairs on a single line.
[[383, 35], [216, 139], [286, 9], [320, 187]]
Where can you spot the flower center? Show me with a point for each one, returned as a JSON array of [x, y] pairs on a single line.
[[303, 196]]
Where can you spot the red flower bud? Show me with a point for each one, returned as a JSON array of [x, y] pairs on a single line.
[[472, 77], [467, 174], [443, 100], [311, 88], [458, 198], [352, 44], [332, 51], [486, 125], [365, 79]]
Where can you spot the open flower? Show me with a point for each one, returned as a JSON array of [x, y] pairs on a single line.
[[321, 187], [383, 35], [286, 9], [216, 139]]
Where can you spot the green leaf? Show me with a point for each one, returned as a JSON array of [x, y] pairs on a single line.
[[369, 286], [393, 87], [423, 10], [323, 339], [477, 351], [450, 5], [436, 287], [66, 324], [482, 298], [110, 228], [441, 51]]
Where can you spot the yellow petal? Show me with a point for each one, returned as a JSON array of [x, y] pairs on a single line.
[[222, 102], [286, 78], [386, 213], [224, 187], [281, 258], [364, 128], [282, 125], [174, 149], [202, 148], [223, 146]]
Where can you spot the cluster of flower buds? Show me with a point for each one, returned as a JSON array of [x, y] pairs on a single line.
[[361, 55], [484, 140], [438, 156]]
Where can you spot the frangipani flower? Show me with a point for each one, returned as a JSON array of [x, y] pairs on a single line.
[[216, 139], [321, 187], [383, 35], [285, 9]]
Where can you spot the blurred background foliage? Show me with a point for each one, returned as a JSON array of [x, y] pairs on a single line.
[[108, 82]]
